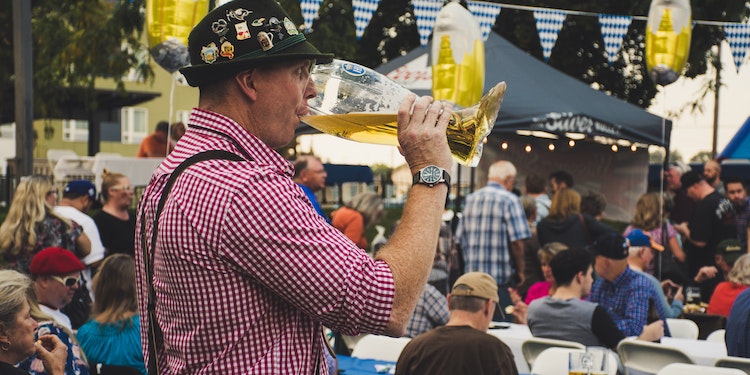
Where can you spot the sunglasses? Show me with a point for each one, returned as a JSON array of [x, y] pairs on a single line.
[[69, 281], [122, 188]]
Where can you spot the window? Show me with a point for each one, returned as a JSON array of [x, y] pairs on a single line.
[[75, 130], [182, 116], [8, 130], [134, 124]]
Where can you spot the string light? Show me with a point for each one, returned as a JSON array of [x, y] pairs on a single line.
[[527, 148], [614, 148], [551, 147], [504, 146], [633, 148], [571, 143]]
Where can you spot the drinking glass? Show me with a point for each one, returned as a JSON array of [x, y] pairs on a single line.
[[360, 104], [593, 361]]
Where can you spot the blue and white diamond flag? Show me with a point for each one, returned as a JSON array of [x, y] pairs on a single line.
[[310, 10], [363, 11], [738, 36], [548, 25], [614, 29], [486, 14], [426, 11]]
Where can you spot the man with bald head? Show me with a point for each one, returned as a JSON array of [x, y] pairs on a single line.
[[712, 174], [492, 230]]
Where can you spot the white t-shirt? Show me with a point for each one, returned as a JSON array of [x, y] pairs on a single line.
[[89, 227], [58, 316]]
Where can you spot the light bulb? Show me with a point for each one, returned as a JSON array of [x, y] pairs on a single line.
[[551, 147], [633, 148], [571, 143], [527, 148], [614, 148], [504, 145]]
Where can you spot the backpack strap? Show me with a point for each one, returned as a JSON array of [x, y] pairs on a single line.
[[155, 336]]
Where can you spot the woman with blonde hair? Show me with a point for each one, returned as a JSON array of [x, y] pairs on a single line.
[[566, 224], [32, 225], [112, 336], [650, 218], [18, 330], [363, 209], [115, 223]]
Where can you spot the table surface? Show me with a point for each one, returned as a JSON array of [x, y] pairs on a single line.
[[359, 366], [514, 336]]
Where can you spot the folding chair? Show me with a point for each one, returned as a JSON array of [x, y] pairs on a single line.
[[734, 362], [683, 328], [648, 357], [382, 348], [717, 336], [535, 345], [686, 369]]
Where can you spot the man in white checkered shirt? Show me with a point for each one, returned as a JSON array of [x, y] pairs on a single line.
[[245, 272]]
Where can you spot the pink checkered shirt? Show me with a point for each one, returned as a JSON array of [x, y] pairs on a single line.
[[245, 269]]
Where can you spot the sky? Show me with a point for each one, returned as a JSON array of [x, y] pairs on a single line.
[[691, 132]]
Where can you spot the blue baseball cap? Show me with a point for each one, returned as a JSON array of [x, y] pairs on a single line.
[[81, 187], [641, 239]]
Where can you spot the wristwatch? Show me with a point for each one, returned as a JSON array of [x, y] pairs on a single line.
[[432, 175]]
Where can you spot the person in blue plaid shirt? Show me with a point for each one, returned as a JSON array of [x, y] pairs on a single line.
[[431, 312], [492, 230], [624, 293]]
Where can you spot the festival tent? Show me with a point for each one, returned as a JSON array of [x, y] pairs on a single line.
[[739, 146], [542, 98], [543, 119]]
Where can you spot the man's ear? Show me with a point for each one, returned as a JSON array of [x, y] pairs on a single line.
[[246, 84]]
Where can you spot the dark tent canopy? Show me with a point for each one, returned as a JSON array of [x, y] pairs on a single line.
[[739, 146], [542, 98], [340, 173]]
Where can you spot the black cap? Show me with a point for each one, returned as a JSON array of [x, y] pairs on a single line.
[[612, 246], [242, 34], [690, 178]]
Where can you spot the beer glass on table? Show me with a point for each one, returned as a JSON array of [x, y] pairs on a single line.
[[594, 361]]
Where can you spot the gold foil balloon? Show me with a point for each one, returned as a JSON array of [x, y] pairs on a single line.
[[169, 23], [457, 57], [667, 39]]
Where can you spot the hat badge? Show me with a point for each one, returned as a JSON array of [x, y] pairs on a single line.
[[209, 53]]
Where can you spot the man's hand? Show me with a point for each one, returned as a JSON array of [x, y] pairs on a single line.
[[653, 331], [705, 273], [421, 132]]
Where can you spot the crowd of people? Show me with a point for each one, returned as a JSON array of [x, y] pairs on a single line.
[[230, 266]]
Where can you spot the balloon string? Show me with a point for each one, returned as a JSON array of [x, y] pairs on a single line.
[[171, 111]]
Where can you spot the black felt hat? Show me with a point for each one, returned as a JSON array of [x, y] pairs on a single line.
[[242, 34]]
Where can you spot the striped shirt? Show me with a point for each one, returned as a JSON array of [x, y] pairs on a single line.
[[492, 218], [246, 271]]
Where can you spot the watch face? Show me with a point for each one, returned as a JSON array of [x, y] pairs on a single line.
[[431, 174]]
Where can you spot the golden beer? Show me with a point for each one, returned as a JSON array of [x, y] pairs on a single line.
[[359, 104]]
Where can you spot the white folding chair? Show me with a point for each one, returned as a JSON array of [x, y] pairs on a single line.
[[687, 369], [535, 345], [382, 348], [683, 328], [734, 362], [717, 336], [554, 361], [648, 357]]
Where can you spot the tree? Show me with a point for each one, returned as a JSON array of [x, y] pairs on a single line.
[[701, 157], [657, 157], [74, 43]]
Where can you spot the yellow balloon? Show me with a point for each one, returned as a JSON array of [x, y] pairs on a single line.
[[668, 33], [169, 23], [457, 57]]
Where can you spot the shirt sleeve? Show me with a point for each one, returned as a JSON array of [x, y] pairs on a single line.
[[605, 329], [637, 311], [283, 244]]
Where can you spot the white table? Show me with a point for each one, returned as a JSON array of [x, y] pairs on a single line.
[[702, 352], [514, 336]]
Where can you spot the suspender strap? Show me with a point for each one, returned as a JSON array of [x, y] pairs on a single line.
[[155, 338]]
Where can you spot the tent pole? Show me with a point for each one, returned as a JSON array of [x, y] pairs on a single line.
[[667, 129], [717, 65]]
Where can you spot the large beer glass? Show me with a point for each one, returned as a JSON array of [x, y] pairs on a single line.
[[360, 104]]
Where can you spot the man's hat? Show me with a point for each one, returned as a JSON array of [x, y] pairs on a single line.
[[639, 238], [242, 34], [690, 178], [612, 246], [730, 250], [476, 284], [55, 261], [81, 187]]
